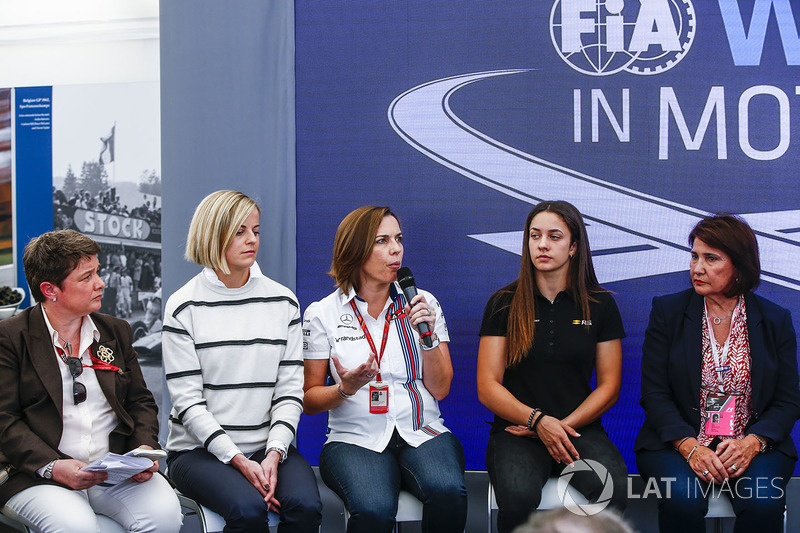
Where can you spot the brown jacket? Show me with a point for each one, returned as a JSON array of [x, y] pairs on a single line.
[[31, 396]]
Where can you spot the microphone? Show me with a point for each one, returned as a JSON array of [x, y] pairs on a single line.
[[409, 286]]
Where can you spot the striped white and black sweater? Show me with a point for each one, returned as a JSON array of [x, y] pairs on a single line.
[[234, 366]]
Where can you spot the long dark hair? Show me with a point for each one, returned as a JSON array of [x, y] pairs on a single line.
[[581, 284]]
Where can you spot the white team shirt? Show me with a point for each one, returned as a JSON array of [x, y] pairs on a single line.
[[331, 327]]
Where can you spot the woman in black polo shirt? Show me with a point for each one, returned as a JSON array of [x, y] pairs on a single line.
[[542, 336]]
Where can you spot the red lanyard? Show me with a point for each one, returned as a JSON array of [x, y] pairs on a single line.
[[98, 364], [389, 316]]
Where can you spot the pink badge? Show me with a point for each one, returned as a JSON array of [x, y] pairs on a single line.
[[720, 422]]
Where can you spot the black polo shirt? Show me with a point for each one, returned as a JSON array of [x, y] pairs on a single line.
[[556, 373]]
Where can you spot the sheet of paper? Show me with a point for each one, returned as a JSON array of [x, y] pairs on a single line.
[[118, 467], [154, 455]]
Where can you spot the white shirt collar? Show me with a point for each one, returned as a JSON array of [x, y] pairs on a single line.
[[211, 276], [344, 298], [89, 333]]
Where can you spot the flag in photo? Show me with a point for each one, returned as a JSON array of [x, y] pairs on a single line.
[[107, 153]]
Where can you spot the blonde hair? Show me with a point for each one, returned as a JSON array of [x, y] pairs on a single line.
[[353, 244], [214, 225]]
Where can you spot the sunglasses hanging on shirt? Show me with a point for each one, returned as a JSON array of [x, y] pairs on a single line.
[[76, 366]]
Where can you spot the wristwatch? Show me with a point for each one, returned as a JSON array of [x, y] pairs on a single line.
[[434, 342], [762, 441], [280, 451], [48, 470]]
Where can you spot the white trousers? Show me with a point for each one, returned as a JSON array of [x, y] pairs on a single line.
[[137, 507]]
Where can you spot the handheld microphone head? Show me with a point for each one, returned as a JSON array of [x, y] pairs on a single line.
[[405, 278]]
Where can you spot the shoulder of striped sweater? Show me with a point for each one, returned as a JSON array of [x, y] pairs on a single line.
[[187, 292]]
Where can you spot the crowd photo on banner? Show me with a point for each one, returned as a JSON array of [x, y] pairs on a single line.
[[107, 185]]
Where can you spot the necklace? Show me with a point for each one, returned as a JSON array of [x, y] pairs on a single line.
[[67, 345], [718, 319]]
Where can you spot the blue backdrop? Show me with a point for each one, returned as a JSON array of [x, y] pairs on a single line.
[[461, 115]]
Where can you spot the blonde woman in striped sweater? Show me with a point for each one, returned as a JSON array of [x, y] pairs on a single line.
[[232, 346]]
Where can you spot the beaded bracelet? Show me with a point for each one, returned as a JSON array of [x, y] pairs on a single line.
[[533, 428], [530, 418]]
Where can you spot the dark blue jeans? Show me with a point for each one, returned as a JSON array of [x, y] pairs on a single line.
[[223, 489], [519, 467], [758, 496], [369, 482]]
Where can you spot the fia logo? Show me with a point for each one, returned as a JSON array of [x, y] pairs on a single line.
[[603, 37]]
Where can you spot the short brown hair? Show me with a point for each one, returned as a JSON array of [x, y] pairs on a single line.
[[214, 225], [733, 236], [53, 255], [353, 243]]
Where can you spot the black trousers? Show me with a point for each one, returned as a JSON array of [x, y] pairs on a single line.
[[519, 467], [223, 489]]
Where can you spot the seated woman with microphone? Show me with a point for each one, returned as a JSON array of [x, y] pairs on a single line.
[[385, 429], [72, 391]]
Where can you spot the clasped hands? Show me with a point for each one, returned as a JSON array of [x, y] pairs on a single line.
[[730, 460], [555, 435], [263, 476]]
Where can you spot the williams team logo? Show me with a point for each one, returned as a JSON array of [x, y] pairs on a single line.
[[603, 37]]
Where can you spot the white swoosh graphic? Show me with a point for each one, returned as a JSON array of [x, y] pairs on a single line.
[[633, 234]]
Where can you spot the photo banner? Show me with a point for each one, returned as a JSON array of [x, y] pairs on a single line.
[[463, 115], [33, 150]]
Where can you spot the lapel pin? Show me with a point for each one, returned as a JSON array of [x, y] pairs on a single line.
[[105, 354]]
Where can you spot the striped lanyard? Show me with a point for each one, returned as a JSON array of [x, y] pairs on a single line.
[[365, 329]]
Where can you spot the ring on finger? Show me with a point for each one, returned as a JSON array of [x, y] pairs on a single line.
[[705, 473], [429, 311], [733, 467]]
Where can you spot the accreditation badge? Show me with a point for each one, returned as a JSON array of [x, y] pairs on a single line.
[[379, 397], [720, 413]]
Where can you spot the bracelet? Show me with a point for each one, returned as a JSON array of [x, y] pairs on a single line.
[[536, 423], [530, 418], [684, 439], [342, 393], [691, 452]]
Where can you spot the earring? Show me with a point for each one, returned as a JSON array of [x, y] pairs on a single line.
[[54, 299]]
